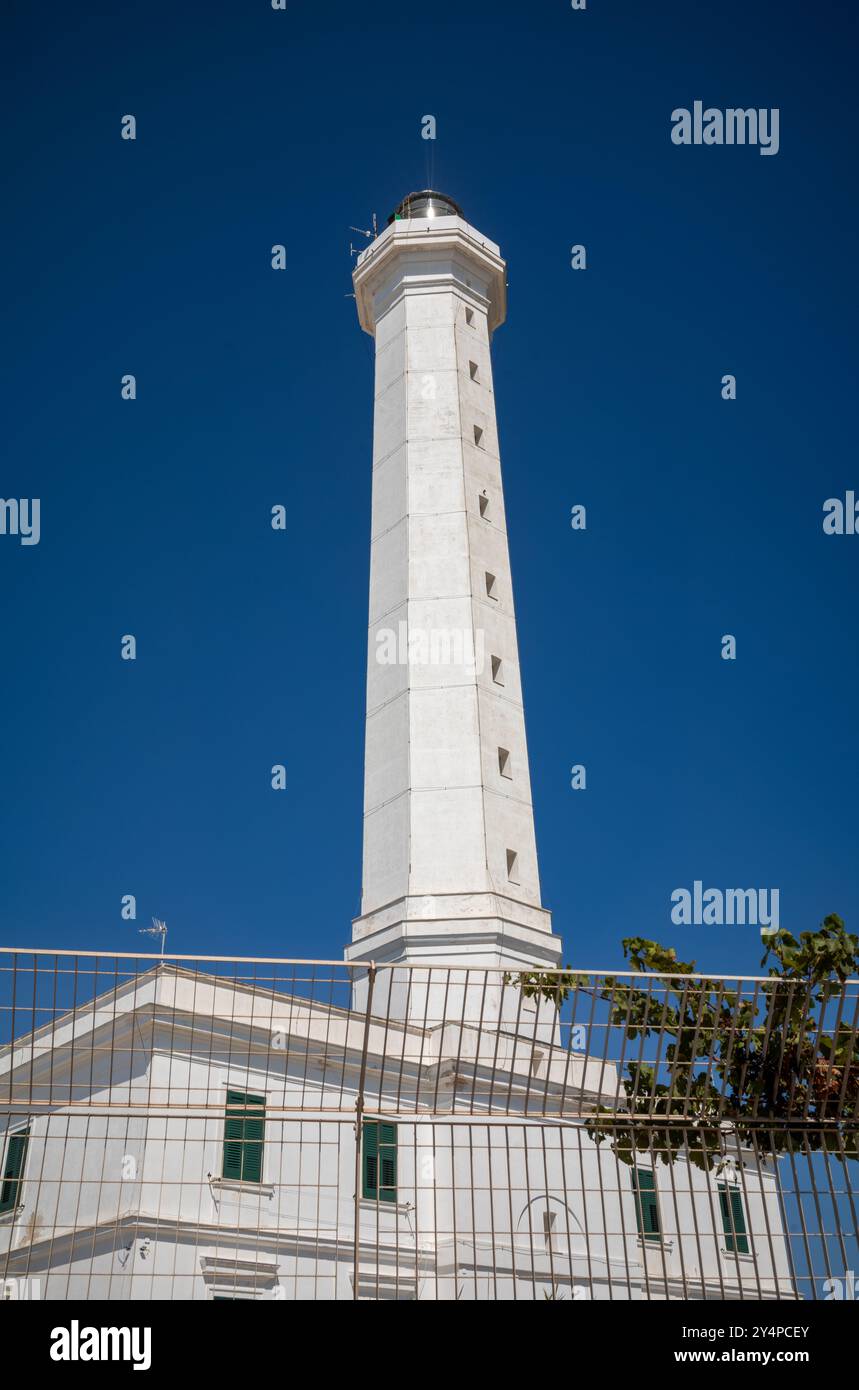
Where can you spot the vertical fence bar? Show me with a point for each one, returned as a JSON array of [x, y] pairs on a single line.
[[359, 1130]]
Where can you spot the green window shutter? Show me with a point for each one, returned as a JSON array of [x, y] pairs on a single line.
[[244, 1137], [253, 1144], [233, 1131], [379, 1166], [646, 1203], [387, 1163], [370, 1165], [13, 1167], [733, 1219]]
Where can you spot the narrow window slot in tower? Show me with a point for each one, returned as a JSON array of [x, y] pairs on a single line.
[[549, 1218]]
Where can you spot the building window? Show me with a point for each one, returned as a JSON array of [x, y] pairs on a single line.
[[379, 1165], [483, 503], [505, 767], [512, 866], [13, 1169], [473, 372], [491, 586], [497, 670], [244, 1135], [646, 1204], [469, 317], [478, 436], [733, 1219]]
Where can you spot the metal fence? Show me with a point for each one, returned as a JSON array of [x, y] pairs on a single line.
[[203, 1128]]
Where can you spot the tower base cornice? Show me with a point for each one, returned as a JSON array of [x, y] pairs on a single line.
[[480, 929]]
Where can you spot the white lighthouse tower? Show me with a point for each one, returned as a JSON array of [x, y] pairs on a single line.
[[450, 860]]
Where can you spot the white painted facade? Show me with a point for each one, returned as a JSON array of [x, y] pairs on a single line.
[[122, 1194]]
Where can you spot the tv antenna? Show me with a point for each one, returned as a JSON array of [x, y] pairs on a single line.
[[362, 231], [158, 928]]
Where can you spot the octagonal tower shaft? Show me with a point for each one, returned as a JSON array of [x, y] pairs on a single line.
[[450, 861]]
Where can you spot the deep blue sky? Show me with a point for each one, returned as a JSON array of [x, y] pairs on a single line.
[[255, 387]]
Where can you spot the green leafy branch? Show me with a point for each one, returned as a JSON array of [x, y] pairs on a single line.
[[759, 1067]]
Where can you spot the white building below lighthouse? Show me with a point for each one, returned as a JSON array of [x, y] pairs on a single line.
[[191, 1134]]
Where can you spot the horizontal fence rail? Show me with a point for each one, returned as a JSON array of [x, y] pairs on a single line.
[[204, 1128]]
